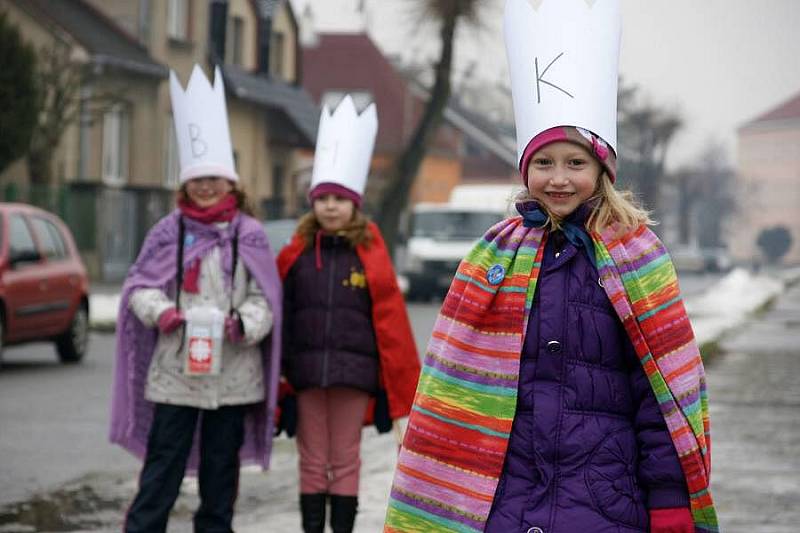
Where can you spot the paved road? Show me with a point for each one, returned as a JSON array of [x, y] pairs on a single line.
[[754, 391], [54, 418]]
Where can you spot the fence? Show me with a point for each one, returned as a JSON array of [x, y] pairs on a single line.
[[108, 223]]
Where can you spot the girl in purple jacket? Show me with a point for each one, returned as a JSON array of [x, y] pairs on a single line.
[[587, 427], [589, 448], [536, 411]]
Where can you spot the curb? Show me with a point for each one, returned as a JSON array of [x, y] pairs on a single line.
[[713, 317]]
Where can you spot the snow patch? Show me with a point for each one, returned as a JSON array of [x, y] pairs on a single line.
[[727, 303], [103, 309]]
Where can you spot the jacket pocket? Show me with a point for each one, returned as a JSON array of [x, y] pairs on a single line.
[[610, 475]]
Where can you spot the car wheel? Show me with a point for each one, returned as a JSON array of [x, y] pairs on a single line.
[[72, 344], [416, 292]]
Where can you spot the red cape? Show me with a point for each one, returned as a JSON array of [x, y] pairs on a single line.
[[399, 361]]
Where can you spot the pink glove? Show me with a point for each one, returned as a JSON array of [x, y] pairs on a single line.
[[234, 328], [170, 320], [673, 520]]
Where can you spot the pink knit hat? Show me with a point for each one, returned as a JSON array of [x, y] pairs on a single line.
[[593, 143], [328, 187]]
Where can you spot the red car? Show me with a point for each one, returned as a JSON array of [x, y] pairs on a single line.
[[44, 289]]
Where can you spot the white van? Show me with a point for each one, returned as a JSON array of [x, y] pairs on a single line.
[[440, 235]]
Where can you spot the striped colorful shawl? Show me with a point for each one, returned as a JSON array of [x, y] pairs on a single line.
[[459, 427]]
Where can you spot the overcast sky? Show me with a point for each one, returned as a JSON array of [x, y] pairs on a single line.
[[719, 63]]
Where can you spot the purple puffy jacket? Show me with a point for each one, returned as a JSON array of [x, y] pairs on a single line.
[[589, 449], [328, 336]]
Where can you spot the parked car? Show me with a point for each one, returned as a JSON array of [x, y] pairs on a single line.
[[44, 289], [717, 259]]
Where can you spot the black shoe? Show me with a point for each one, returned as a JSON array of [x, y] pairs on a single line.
[[343, 513], [312, 510]]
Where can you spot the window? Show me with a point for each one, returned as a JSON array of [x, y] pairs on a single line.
[[58, 240], [178, 19], [144, 22], [276, 47], [20, 239], [360, 98], [115, 145], [171, 161], [235, 39], [50, 239]]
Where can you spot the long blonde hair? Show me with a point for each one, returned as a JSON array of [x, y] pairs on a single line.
[[356, 231], [609, 206]]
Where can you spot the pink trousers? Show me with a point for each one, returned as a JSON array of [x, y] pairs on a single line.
[[329, 425]]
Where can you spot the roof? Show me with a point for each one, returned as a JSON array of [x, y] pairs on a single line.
[[107, 43], [350, 62], [790, 109], [499, 141], [274, 93]]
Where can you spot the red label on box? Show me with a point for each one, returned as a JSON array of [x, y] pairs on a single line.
[[200, 355]]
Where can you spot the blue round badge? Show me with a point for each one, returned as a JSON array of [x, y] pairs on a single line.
[[188, 240], [495, 274]]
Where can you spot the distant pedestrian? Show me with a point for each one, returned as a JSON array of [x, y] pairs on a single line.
[[198, 333], [562, 390], [348, 347]]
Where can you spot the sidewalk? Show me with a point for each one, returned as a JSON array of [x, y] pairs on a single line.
[[754, 392], [103, 305]]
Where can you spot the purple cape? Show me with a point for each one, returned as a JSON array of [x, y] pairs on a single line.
[[131, 414]]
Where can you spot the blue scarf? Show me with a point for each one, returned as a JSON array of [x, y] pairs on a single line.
[[572, 226]]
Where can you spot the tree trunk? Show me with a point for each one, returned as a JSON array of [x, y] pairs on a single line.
[[396, 194], [40, 166], [685, 203]]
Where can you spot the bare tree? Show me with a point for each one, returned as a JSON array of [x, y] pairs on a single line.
[[447, 14], [59, 79], [646, 133], [17, 93], [774, 242], [688, 185], [709, 182], [59, 84]]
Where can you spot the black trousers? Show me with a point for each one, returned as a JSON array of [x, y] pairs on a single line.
[[168, 447]]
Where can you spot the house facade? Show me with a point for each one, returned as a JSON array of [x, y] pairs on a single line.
[[255, 43], [118, 158], [768, 177]]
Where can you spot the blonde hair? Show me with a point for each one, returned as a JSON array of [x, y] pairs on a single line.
[[616, 207], [356, 231], [609, 207]]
